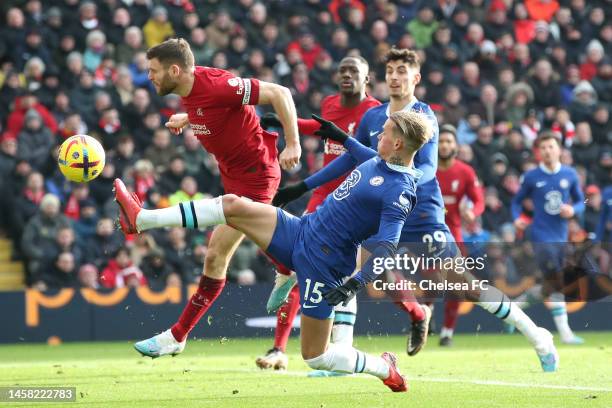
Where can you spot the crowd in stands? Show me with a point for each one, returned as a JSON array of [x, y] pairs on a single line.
[[499, 70]]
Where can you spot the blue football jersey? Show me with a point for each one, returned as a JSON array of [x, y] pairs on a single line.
[[604, 227], [372, 203], [429, 211], [548, 191]]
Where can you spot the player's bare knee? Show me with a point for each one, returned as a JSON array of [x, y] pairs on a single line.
[[231, 204]]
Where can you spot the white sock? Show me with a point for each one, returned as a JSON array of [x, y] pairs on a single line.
[[557, 308], [344, 322], [446, 332], [191, 214], [349, 360], [495, 302]]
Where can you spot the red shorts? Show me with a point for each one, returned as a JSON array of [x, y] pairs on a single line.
[[263, 191]]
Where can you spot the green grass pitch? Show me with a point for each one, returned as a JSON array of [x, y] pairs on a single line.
[[479, 371]]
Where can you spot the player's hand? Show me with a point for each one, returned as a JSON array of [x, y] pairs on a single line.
[[468, 215], [177, 122], [566, 211], [269, 120], [287, 194], [329, 130], [520, 224], [290, 156], [344, 293]]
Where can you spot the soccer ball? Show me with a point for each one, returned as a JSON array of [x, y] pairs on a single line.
[[81, 158]]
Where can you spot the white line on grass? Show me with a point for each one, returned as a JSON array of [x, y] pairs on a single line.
[[468, 381]]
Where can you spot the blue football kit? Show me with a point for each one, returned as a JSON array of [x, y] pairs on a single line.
[[425, 226], [371, 204], [549, 190]]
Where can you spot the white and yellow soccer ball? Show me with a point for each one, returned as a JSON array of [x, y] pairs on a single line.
[[81, 158]]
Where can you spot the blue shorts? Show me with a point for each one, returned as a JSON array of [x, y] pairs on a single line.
[[438, 242], [288, 247], [550, 257]]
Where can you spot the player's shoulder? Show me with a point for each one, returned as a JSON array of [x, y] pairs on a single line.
[[568, 170], [330, 100], [376, 111], [422, 107], [463, 167], [371, 102]]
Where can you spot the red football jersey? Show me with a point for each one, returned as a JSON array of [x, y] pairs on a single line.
[[457, 182], [223, 119], [346, 119]]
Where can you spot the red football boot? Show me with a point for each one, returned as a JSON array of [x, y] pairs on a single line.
[[129, 206], [396, 381]]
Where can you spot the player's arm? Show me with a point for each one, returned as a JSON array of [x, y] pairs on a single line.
[[329, 130], [577, 206], [382, 246], [474, 193], [281, 100]]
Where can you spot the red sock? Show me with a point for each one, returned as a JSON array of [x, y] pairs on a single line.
[[284, 318], [405, 300], [451, 312], [208, 290], [282, 269]]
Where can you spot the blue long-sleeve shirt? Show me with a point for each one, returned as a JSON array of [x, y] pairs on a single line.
[[429, 211], [549, 190]]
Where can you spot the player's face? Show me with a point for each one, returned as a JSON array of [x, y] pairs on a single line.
[[550, 152], [447, 146], [161, 77], [388, 142], [401, 79], [352, 76]]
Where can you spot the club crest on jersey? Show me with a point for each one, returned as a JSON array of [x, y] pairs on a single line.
[[564, 183], [344, 189], [377, 181], [454, 186], [200, 112], [232, 82], [351, 128]]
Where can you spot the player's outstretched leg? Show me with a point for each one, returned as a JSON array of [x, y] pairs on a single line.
[[276, 357], [451, 312], [498, 304], [319, 354]]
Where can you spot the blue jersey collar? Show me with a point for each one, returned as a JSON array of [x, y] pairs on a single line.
[[405, 108], [414, 172], [548, 171]]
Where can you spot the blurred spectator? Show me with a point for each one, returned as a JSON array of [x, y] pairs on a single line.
[[103, 244], [515, 151], [8, 155], [188, 192], [116, 30], [65, 241], [545, 86], [23, 104], [131, 45], [519, 98], [60, 273], [72, 209], [602, 81], [161, 151], [541, 9], [601, 125], [583, 105], [87, 22], [592, 208], [495, 213], [158, 28], [179, 253], [85, 226], [41, 230], [144, 178], [121, 272], [220, 29], [584, 151], [423, 26], [96, 43], [170, 180], [158, 270]]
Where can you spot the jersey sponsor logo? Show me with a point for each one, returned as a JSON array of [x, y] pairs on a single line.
[[540, 184], [554, 200], [373, 133], [564, 183], [333, 148], [344, 190], [454, 186], [199, 129], [449, 199], [377, 181]]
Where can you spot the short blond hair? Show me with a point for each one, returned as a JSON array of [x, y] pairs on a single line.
[[413, 127]]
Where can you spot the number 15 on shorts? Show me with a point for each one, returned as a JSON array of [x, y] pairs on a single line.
[[312, 294]]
